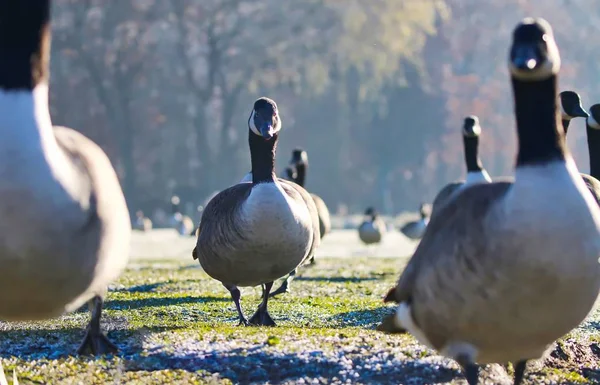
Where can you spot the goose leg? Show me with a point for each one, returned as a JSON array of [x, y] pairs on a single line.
[[235, 296], [95, 342], [262, 317], [520, 371], [284, 288], [470, 369]]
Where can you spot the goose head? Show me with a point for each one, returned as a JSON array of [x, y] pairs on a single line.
[[264, 119], [299, 157], [593, 120], [471, 127], [570, 106], [534, 54], [371, 213]]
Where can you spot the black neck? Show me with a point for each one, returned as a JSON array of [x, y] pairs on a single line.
[[593, 139], [565, 124], [472, 153], [262, 155], [300, 174], [24, 43], [541, 137], [175, 208]]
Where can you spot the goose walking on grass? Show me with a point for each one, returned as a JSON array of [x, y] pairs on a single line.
[[372, 229], [178, 221], [476, 173], [256, 232], [64, 224], [570, 108], [507, 268], [416, 229], [142, 222], [297, 174]]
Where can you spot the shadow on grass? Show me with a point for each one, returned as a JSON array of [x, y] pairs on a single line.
[[336, 279], [130, 304], [33, 344], [259, 364], [368, 319]]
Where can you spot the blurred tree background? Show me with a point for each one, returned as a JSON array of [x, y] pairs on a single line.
[[375, 91]]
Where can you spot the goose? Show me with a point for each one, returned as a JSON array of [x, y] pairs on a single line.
[[142, 222], [476, 173], [570, 108], [180, 222], [64, 223], [592, 180], [489, 281], [297, 174], [372, 229], [416, 229], [300, 162], [255, 232]]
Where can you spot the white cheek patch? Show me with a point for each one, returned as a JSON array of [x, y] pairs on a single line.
[[563, 113], [252, 125], [476, 131], [593, 122]]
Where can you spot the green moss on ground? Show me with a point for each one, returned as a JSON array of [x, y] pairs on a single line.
[[176, 325]]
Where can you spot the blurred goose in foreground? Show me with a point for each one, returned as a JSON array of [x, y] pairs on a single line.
[[372, 229], [570, 108], [416, 229], [142, 222], [256, 232], [180, 222], [64, 224], [297, 174], [489, 281], [476, 173]]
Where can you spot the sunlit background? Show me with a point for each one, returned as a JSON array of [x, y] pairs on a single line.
[[375, 91]]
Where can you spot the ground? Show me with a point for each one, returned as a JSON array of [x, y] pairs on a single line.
[[176, 325]]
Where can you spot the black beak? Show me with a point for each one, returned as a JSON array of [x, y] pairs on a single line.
[[580, 112]]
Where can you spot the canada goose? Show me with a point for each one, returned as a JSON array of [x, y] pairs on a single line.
[[592, 180], [142, 222], [256, 232], [416, 229], [570, 108], [64, 224], [180, 222], [476, 173], [372, 229], [296, 172], [489, 281]]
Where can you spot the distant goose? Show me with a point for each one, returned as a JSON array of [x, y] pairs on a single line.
[[142, 222], [256, 232], [476, 173], [499, 276], [570, 108], [592, 180], [64, 224], [372, 229], [297, 174], [416, 229], [178, 221]]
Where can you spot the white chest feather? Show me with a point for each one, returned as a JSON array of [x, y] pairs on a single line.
[[477, 177], [273, 216]]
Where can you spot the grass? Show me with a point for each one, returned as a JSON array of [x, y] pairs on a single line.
[[176, 325]]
